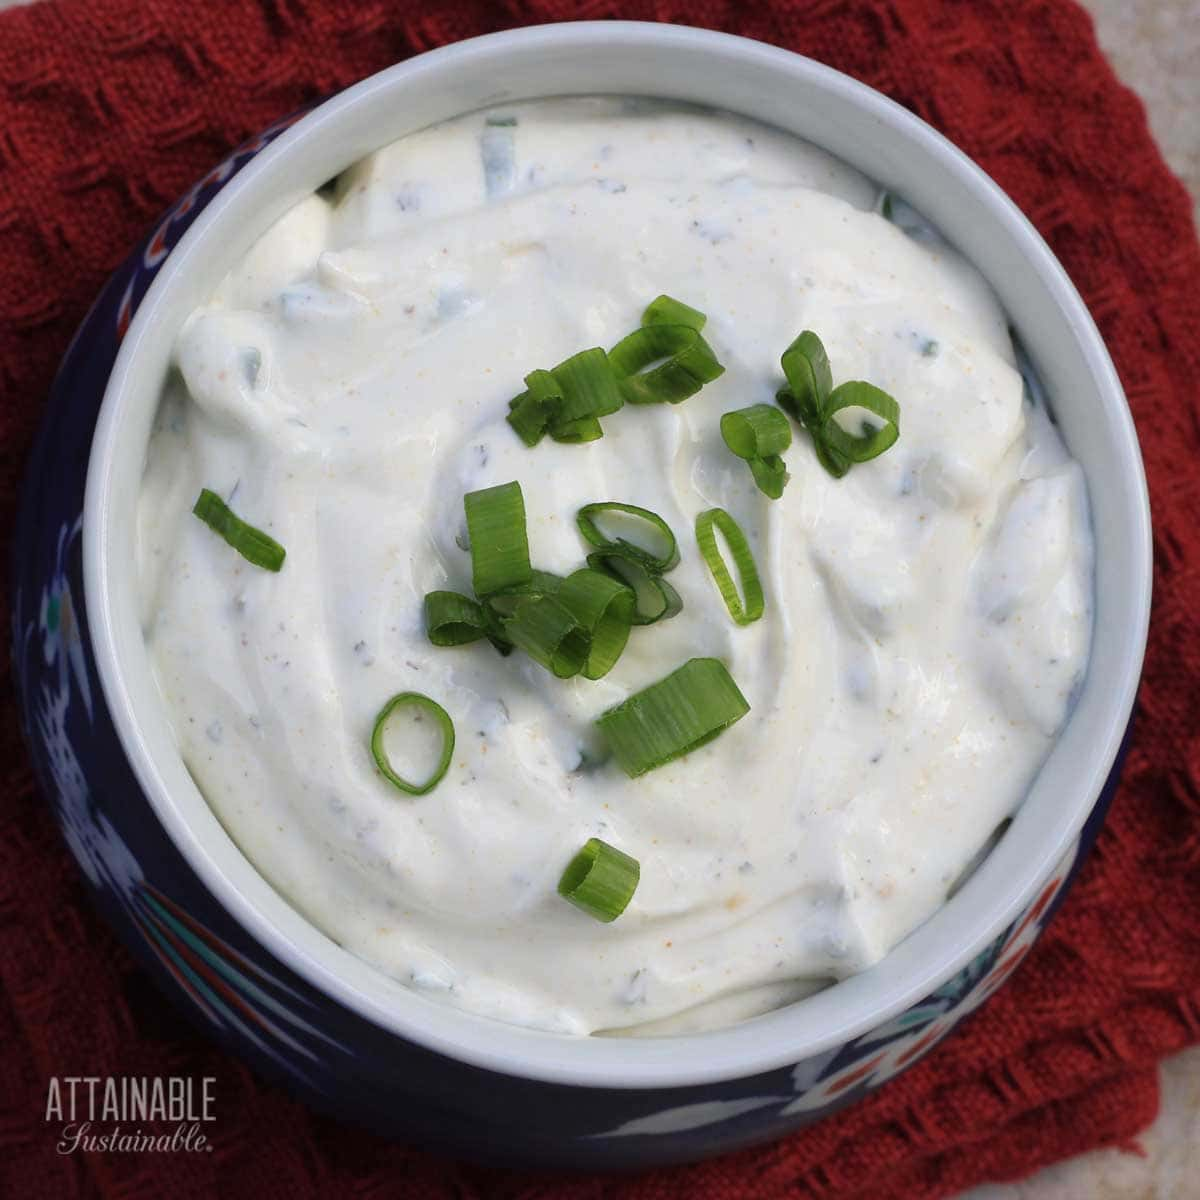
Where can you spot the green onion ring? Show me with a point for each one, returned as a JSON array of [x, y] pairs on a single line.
[[674, 716], [252, 544], [664, 310], [655, 599], [530, 413], [575, 433], [770, 474], [378, 752], [452, 619], [860, 448], [812, 400], [540, 583], [809, 379], [566, 401], [585, 518], [756, 432], [749, 610], [690, 364], [503, 603], [604, 608], [600, 880], [550, 633], [587, 389]]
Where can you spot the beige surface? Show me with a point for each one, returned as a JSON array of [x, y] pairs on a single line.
[[1155, 47]]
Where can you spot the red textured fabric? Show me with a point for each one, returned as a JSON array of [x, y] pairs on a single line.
[[109, 109]]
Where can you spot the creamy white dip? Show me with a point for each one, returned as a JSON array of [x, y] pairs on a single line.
[[928, 616]]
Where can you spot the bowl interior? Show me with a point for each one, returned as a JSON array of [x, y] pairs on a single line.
[[889, 145]]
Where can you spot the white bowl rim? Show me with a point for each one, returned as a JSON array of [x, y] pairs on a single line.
[[992, 899]]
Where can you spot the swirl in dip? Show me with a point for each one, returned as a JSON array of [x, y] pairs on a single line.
[[927, 616]]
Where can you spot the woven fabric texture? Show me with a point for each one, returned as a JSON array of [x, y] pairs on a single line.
[[109, 109]]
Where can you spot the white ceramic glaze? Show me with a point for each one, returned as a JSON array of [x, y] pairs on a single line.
[[891, 146]]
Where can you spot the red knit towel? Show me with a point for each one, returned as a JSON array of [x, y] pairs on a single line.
[[110, 108]]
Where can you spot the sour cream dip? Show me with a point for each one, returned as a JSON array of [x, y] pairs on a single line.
[[927, 621]]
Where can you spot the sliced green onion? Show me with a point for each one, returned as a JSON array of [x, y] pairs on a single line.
[[491, 613], [603, 607], [530, 412], [252, 544], [771, 475], [836, 463], [666, 360], [742, 611], [664, 310], [446, 726], [643, 376], [573, 433], [550, 633], [600, 879], [670, 718], [756, 432], [567, 401], [872, 442], [496, 531], [655, 599], [539, 583], [452, 619], [587, 388], [809, 379], [572, 625], [586, 520], [812, 400]]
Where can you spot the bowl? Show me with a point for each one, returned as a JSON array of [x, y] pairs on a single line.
[[270, 986]]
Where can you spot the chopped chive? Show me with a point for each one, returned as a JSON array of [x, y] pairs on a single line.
[[252, 544]]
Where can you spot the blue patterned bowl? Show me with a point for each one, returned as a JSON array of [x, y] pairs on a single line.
[[271, 987]]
